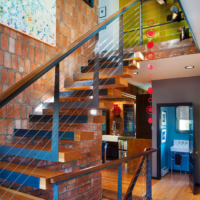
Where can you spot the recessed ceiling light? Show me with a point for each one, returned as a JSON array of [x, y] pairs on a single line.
[[189, 67], [135, 73]]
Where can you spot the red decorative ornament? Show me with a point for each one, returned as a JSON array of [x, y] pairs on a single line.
[[150, 67], [150, 120], [150, 110], [150, 100], [116, 111], [150, 56], [150, 45], [150, 90], [150, 33], [150, 22]]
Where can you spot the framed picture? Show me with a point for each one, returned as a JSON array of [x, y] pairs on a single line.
[[163, 118], [163, 135], [102, 12]]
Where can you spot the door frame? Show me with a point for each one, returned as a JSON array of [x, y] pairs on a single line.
[[159, 105]]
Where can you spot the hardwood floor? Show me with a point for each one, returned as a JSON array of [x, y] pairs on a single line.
[[175, 187]]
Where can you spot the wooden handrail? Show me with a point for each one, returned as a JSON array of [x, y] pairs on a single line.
[[70, 176], [21, 85]]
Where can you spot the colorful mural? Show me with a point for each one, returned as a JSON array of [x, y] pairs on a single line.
[[33, 17]]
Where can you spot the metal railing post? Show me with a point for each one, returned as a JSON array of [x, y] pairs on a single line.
[[121, 46], [148, 180], [141, 24], [55, 130], [95, 102], [119, 191], [55, 192]]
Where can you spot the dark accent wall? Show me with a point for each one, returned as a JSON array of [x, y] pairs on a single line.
[[179, 90], [143, 128]]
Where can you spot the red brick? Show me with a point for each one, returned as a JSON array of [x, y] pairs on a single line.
[[3, 126], [3, 112], [26, 39], [31, 53], [4, 42], [18, 48], [20, 36], [26, 96], [14, 62], [11, 78], [10, 110], [13, 33], [10, 126], [25, 50], [4, 73], [12, 45], [35, 95], [1, 57], [42, 55], [18, 77], [32, 66], [0, 28], [6, 30], [27, 66], [16, 111], [7, 60], [23, 111], [21, 64], [37, 43], [32, 41], [2, 139], [62, 190]]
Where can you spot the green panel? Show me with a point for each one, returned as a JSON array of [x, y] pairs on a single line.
[[154, 11]]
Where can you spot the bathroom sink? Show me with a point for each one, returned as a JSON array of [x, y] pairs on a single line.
[[181, 146], [178, 149]]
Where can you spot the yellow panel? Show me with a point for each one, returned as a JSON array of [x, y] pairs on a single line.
[[152, 10]]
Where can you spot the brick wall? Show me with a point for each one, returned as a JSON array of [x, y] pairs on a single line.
[[20, 55]]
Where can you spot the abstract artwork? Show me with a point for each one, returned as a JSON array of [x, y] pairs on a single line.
[[163, 135], [163, 118], [33, 17]]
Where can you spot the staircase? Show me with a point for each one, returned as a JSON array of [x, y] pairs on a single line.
[[50, 136]]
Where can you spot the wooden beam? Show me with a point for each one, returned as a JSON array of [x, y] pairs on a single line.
[[15, 195], [103, 84], [127, 73]]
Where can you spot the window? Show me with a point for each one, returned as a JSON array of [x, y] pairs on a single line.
[[182, 119], [89, 2]]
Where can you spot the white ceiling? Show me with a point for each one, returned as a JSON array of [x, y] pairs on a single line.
[[191, 8], [166, 68]]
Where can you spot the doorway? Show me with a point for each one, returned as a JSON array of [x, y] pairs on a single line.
[[175, 140]]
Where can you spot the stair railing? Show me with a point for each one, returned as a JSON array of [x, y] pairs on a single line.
[[20, 86], [144, 163]]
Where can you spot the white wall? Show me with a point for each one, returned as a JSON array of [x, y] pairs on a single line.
[[110, 36]]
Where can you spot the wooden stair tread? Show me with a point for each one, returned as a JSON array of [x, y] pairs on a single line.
[[88, 94], [47, 134], [43, 175], [130, 64], [17, 195], [70, 118], [127, 73], [138, 56], [103, 83], [65, 155]]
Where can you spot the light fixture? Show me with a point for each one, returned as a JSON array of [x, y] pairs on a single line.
[[162, 2], [93, 112], [135, 73], [189, 67]]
